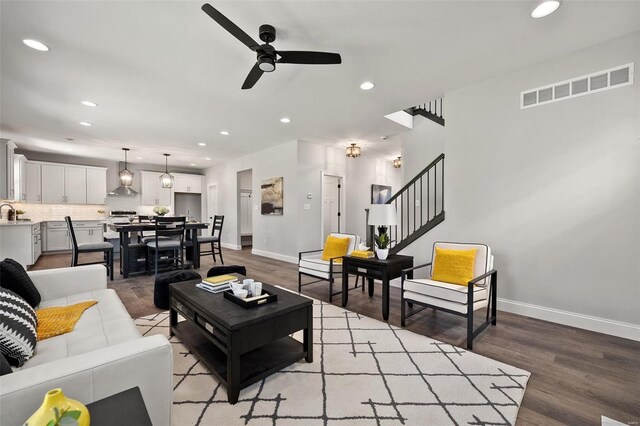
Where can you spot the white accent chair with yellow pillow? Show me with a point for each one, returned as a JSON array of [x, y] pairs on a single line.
[[324, 264], [461, 280]]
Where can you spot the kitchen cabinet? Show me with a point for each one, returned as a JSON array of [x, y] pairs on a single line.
[[7, 166], [187, 183], [20, 241], [58, 239], [36, 245], [75, 185], [32, 182], [152, 192], [96, 186], [52, 184]]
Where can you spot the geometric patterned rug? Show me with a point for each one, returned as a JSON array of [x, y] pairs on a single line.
[[364, 372]]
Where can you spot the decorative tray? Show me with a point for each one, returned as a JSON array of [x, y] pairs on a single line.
[[251, 302]]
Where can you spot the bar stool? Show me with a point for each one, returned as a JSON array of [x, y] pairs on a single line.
[[214, 239], [173, 228], [105, 247]]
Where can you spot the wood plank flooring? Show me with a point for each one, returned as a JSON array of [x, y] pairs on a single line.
[[576, 375]]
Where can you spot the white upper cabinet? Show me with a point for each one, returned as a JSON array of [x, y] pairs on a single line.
[[75, 185], [96, 186], [60, 183], [33, 183], [53, 184], [152, 191], [7, 180], [187, 183]]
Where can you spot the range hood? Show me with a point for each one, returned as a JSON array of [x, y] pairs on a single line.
[[123, 191]]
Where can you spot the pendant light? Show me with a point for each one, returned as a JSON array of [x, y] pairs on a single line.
[[353, 151], [125, 175], [397, 163], [166, 179]]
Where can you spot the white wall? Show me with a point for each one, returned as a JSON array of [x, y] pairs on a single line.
[[554, 190], [274, 235]]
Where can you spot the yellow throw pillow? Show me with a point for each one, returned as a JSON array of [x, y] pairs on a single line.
[[335, 247], [454, 266], [60, 319]]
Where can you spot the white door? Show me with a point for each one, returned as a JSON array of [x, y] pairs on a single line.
[[245, 213], [180, 183], [330, 205], [75, 185], [52, 184], [212, 201], [149, 187], [96, 186], [33, 183]]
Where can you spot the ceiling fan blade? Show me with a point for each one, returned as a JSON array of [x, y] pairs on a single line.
[[225, 23], [253, 77], [300, 57]]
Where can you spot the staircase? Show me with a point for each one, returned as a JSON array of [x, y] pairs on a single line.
[[432, 110]]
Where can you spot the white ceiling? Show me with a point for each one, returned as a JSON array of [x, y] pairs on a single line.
[[166, 76]]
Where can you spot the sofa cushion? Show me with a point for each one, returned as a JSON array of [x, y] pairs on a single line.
[[105, 324], [18, 323], [314, 262], [445, 291], [452, 306], [15, 278]]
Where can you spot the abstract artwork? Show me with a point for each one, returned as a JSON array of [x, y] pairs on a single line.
[[271, 196], [380, 194]]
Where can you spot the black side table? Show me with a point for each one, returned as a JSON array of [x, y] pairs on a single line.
[[123, 409], [374, 268]]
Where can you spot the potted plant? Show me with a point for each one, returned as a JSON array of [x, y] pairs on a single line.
[[18, 213], [382, 242], [160, 210]]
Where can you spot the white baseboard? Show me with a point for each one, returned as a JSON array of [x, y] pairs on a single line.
[[231, 246], [277, 256], [573, 319]]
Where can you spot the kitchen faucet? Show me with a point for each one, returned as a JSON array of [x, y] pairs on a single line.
[[11, 207]]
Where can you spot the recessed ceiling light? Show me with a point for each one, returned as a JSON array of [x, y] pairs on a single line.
[[70, 139], [89, 104], [207, 158], [35, 44], [138, 158], [202, 144], [285, 120], [224, 133], [193, 164], [84, 123], [545, 8], [367, 85]]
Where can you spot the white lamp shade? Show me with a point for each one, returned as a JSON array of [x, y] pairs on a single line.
[[383, 215]]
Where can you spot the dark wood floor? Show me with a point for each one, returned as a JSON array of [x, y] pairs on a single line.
[[576, 375]]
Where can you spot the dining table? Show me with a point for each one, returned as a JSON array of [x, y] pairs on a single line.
[[133, 253]]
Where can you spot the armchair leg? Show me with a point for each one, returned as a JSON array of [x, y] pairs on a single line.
[[403, 321], [470, 327], [494, 298], [331, 289]]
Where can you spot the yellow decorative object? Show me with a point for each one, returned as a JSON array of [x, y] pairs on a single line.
[[335, 247], [57, 410], [454, 266], [362, 253], [60, 319]]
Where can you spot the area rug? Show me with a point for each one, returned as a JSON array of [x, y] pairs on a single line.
[[364, 372]]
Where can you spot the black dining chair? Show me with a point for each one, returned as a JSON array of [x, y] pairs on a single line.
[[174, 229], [214, 239], [103, 246], [144, 238]]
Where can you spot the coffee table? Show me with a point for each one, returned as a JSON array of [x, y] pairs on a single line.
[[124, 409], [241, 346]]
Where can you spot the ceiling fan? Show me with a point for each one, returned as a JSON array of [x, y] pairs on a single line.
[[267, 55]]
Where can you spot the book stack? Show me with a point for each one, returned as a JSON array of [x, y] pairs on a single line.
[[217, 284], [363, 254]]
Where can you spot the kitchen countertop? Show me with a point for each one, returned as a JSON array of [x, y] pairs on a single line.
[[18, 223]]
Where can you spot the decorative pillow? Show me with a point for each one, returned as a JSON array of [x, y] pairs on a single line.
[[454, 266], [5, 368], [59, 320], [13, 277], [335, 247], [18, 324]]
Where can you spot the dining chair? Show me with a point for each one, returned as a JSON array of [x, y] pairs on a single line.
[[142, 237], [173, 228], [214, 239], [105, 247]]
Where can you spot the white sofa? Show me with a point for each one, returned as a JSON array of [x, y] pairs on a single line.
[[103, 355]]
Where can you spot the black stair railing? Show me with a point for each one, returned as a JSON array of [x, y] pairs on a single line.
[[419, 204], [433, 110]]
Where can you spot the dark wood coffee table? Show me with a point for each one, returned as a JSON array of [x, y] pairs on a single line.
[[241, 346], [124, 409]]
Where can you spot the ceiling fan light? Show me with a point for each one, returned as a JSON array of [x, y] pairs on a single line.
[[266, 64]]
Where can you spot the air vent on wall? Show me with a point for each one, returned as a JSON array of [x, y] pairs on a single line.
[[584, 85]]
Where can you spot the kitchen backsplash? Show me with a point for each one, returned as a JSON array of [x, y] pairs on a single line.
[[44, 212]]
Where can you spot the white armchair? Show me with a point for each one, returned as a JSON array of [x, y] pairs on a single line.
[[310, 264], [456, 299]]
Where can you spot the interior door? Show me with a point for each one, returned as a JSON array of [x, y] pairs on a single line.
[[245, 214], [331, 205]]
